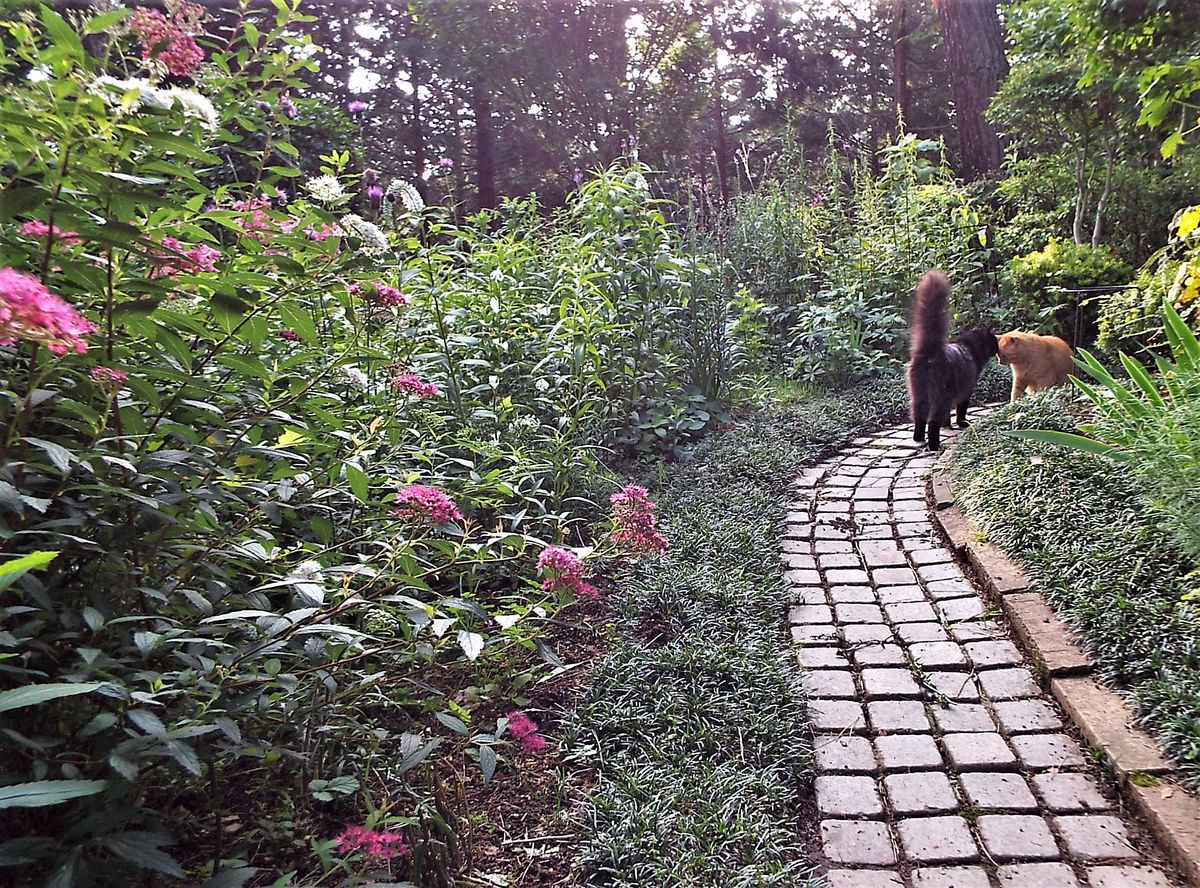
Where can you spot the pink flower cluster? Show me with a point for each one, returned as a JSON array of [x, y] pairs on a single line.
[[166, 40], [29, 311], [525, 729], [418, 502], [563, 571], [174, 259], [411, 384], [322, 231], [108, 377], [39, 229], [375, 845], [257, 223], [289, 335], [389, 296], [634, 524]]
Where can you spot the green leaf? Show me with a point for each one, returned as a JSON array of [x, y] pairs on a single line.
[[42, 793], [453, 722], [61, 33], [20, 200], [11, 571], [59, 455], [300, 321], [31, 695], [1072, 441], [487, 762], [104, 21], [143, 849], [357, 479]]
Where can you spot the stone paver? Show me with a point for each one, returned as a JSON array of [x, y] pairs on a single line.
[[1017, 837], [848, 796], [941, 761], [1043, 875], [997, 791]]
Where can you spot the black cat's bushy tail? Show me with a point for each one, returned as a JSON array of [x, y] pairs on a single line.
[[931, 317]]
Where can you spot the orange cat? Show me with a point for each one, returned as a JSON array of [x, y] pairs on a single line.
[[1037, 362]]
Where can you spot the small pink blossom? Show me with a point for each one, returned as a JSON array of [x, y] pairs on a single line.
[[357, 106], [564, 572], [375, 845], [173, 259], [411, 384], [389, 296], [164, 41], [634, 523], [525, 729], [289, 335], [422, 503], [445, 163], [29, 311], [37, 228], [257, 223], [322, 231], [109, 378], [375, 193]]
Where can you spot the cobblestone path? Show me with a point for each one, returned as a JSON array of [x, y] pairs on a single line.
[[941, 762]]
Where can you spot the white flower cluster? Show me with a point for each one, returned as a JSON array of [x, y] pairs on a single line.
[[326, 189], [637, 181], [153, 98], [542, 385], [355, 377], [374, 241], [525, 422], [310, 590], [408, 196]]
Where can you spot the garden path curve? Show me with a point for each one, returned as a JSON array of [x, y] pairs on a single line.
[[941, 762]]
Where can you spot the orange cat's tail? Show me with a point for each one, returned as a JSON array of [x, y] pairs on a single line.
[[931, 318]]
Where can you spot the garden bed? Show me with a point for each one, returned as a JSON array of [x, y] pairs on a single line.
[[1102, 557], [694, 723]]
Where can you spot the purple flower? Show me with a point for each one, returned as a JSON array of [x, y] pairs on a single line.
[[445, 163], [578, 177], [282, 196], [375, 192], [288, 107], [370, 176], [357, 106]]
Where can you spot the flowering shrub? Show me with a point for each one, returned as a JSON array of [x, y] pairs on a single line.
[[634, 524], [222, 356]]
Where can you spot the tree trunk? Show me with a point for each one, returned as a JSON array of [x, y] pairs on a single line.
[[1098, 225], [900, 62], [1081, 195], [975, 58], [485, 146], [720, 136]]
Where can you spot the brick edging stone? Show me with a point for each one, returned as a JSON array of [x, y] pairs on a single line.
[[1170, 811]]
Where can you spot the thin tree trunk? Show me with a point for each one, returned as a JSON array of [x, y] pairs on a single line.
[[721, 137], [975, 59], [1081, 196], [485, 146], [1098, 226]]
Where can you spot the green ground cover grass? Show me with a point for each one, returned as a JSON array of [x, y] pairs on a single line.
[[1103, 557]]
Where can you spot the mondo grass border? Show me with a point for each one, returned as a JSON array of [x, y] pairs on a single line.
[[1100, 555], [694, 723]]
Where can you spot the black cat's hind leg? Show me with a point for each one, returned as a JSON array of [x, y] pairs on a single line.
[[935, 428], [962, 415]]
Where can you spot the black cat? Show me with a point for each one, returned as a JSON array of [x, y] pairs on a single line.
[[941, 375]]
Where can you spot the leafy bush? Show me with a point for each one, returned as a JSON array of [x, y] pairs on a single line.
[[1056, 288], [828, 271], [1132, 319], [281, 449], [1102, 555]]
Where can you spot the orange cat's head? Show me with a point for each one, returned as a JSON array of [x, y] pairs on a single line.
[[1010, 346]]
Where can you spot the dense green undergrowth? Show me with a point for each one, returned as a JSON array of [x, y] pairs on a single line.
[[1103, 557], [694, 721]]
